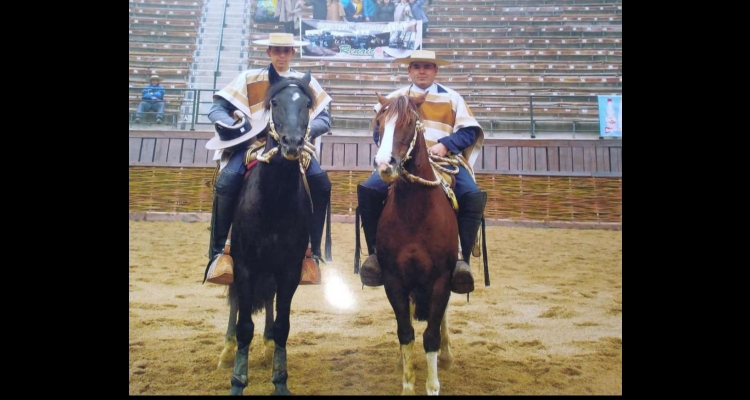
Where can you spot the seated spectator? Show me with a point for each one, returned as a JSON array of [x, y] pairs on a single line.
[[384, 11], [152, 100]]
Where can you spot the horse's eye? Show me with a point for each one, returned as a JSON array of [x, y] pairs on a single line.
[[309, 104], [274, 103]]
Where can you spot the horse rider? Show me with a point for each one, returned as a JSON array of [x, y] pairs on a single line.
[[233, 138], [450, 129]]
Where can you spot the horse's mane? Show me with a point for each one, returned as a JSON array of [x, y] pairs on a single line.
[[399, 105], [283, 83]]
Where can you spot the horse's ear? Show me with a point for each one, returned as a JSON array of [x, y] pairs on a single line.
[[307, 78], [381, 98], [273, 76]]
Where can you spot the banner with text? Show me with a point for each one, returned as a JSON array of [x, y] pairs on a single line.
[[338, 40], [610, 116]]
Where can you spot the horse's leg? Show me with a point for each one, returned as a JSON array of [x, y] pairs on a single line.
[[432, 334], [245, 331], [411, 322], [445, 356], [286, 287], [226, 359], [410, 376], [268, 334], [401, 307]]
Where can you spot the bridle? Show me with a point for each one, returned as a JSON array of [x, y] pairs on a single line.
[[436, 162], [308, 150]]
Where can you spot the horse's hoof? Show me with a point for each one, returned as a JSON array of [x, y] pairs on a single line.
[[445, 362], [281, 391], [236, 391], [226, 359]]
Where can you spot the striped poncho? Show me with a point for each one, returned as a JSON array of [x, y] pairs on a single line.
[[444, 113], [247, 90]]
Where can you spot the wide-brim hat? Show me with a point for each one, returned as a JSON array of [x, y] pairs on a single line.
[[154, 77], [422, 56], [223, 140], [281, 40]]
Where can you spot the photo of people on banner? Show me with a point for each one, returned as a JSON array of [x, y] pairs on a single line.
[[343, 40]]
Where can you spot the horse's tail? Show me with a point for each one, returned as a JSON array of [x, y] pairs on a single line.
[[421, 305], [265, 289], [357, 247], [232, 299], [328, 233]]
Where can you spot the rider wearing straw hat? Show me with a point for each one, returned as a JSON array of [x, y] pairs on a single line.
[[450, 129], [238, 116]]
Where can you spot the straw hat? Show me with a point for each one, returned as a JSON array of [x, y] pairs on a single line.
[[423, 56], [281, 40], [155, 77], [226, 138]]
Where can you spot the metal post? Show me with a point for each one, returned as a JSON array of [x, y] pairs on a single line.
[[531, 113], [196, 104], [221, 40]]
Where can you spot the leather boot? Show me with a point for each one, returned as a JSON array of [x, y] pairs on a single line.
[[320, 192], [227, 189], [470, 212], [370, 205]]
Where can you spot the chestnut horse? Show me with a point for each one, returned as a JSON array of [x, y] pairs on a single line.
[[417, 243]]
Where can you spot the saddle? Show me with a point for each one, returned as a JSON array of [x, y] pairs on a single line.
[[441, 166], [310, 269], [448, 182]]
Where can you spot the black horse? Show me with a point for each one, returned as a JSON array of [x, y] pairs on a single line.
[[270, 231]]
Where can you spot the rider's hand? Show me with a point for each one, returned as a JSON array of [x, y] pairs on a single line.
[[438, 149]]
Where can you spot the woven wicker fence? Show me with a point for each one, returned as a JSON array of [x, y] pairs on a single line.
[[513, 197]]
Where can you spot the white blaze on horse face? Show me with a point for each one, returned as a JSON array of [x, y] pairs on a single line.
[[295, 96], [383, 157]]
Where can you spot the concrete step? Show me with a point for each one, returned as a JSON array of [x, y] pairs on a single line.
[[230, 48], [230, 17], [224, 41], [226, 70], [228, 31], [225, 58], [216, 30]]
